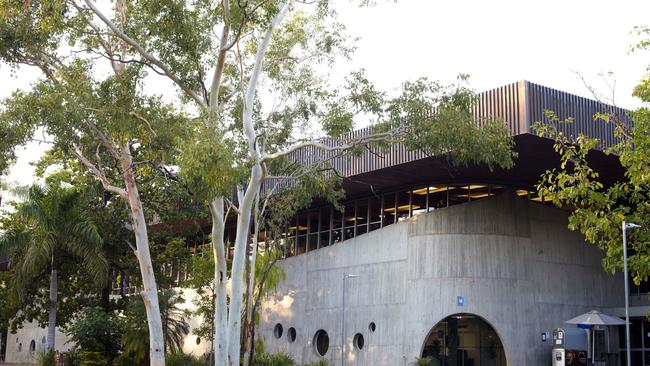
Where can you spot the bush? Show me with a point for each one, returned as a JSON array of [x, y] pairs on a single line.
[[97, 332], [320, 362], [278, 359], [45, 358], [425, 361], [71, 358], [92, 359], [124, 360], [181, 359]]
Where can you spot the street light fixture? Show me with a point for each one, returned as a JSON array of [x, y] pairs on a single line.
[[627, 225], [345, 277]]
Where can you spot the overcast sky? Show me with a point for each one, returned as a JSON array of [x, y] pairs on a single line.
[[496, 42]]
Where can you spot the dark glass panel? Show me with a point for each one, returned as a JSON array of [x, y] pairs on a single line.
[[338, 222], [636, 333], [419, 201], [403, 205], [302, 244], [375, 212], [389, 209], [458, 194], [325, 218], [348, 220], [437, 197], [362, 214]]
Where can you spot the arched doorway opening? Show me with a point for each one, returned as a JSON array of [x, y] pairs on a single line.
[[464, 340]]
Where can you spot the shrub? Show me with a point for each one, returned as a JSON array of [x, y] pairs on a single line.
[[45, 358], [425, 361], [320, 362], [92, 359], [278, 359], [181, 359], [71, 358], [124, 360], [98, 332]]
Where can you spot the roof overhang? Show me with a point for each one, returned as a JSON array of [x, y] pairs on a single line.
[[535, 155]]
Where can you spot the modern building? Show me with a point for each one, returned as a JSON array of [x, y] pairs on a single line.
[[466, 264]]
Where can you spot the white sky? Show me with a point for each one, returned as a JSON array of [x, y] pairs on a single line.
[[496, 42]]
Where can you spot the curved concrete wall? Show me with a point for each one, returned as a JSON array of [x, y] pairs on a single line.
[[513, 261]]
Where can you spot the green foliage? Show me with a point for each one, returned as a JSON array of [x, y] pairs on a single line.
[[135, 340], [45, 358], [96, 331], [319, 362], [439, 121], [181, 359], [598, 210], [124, 359], [425, 361], [277, 359], [46, 231], [92, 359]]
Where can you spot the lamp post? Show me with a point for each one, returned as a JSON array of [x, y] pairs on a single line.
[[345, 277], [627, 225]]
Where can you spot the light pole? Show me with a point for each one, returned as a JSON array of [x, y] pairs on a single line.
[[345, 277], [626, 226]]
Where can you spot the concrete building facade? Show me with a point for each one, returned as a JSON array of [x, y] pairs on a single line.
[[513, 262]]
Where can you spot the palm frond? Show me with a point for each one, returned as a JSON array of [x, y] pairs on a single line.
[[33, 212], [9, 241]]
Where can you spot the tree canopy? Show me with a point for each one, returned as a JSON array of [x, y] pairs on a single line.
[[598, 210]]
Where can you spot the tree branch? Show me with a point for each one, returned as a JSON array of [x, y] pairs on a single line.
[[249, 129], [383, 136], [98, 173], [149, 57], [99, 135]]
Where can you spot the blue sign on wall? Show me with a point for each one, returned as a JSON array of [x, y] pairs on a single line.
[[460, 301]]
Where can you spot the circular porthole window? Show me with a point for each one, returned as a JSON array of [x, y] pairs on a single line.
[[291, 335], [358, 341], [321, 342], [198, 340], [372, 327], [32, 346], [277, 331]]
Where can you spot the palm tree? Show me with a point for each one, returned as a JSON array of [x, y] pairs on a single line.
[[175, 328], [51, 227]]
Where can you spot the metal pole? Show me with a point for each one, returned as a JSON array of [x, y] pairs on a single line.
[[345, 277], [627, 300]]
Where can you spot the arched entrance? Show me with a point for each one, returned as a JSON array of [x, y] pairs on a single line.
[[464, 340]]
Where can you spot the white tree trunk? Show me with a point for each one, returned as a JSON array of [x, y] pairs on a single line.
[[238, 264], [150, 289], [220, 282], [248, 347], [51, 321], [246, 202]]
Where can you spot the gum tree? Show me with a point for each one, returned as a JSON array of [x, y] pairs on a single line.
[[253, 90]]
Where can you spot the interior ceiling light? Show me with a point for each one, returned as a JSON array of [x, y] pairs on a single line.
[[521, 192], [476, 195], [351, 218], [432, 189], [473, 186], [300, 228], [401, 208]]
